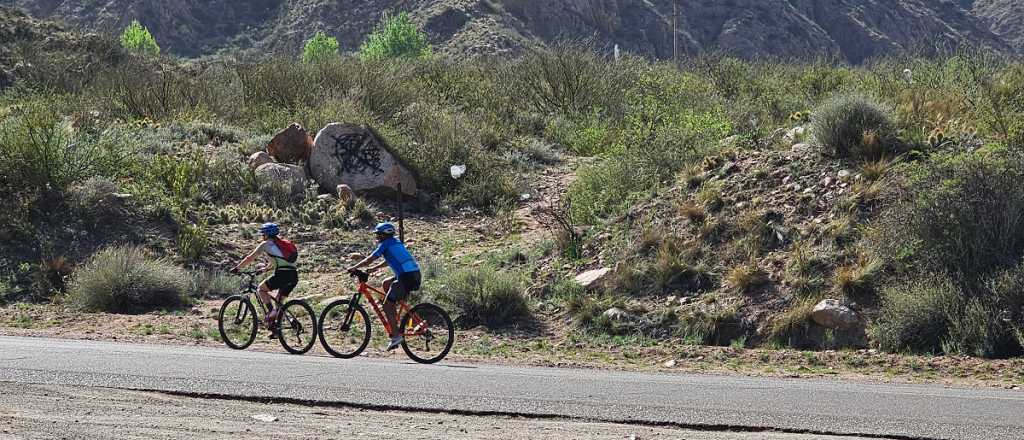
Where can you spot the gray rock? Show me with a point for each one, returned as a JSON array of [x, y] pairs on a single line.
[[801, 148], [259, 159], [618, 315], [592, 278], [831, 313], [356, 156], [290, 177]]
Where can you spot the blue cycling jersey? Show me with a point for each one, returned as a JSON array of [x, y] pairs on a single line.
[[397, 256]]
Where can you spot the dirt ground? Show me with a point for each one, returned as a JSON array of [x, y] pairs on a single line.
[[57, 412]]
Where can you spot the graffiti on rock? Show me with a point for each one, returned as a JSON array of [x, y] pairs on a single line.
[[357, 154]]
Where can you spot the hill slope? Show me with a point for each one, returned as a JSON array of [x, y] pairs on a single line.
[[850, 29]]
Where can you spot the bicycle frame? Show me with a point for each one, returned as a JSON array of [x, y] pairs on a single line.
[[371, 294], [251, 289]]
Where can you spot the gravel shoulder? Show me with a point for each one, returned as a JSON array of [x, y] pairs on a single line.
[[61, 412]]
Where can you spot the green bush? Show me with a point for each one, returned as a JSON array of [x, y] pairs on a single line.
[[484, 296], [319, 49], [136, 38], [854, 127], [193, 240], [40, 152], [964, 218], [913, 315], [123, 279], [395, 37]]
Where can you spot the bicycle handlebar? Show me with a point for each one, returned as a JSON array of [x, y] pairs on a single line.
[[362, 276]]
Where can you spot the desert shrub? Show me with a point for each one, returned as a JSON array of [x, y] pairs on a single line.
[[193, 240], [395, 37], [123, 279], [855, 127], [136, 38], [320, 48], [484, 296], [939, 315], [964, 217], [213, 284], [568, 79], [913, 316], [95, 198], [589, 136], [228, 179], [39, 151]]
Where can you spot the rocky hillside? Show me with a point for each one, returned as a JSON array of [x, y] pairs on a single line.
[[849, 29], [1004, 17]]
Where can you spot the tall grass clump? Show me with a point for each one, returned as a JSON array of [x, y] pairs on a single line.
[[123, 279], [484, 296], [851, 126]]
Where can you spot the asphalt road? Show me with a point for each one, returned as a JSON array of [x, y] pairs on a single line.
[[798, 405]]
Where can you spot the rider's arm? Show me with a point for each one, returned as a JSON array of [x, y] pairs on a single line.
[[366, 262], [380, 266], [251, 257]]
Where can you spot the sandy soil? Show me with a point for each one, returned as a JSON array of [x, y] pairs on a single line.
[[54, 412]]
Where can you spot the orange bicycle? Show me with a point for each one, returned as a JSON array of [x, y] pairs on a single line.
[[344, 326]]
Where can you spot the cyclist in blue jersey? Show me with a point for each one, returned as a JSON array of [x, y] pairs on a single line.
[[407, 275]]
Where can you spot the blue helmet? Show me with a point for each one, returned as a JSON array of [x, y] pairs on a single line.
[[385, 228], [270, 229]]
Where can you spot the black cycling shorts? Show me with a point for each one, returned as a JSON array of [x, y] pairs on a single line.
[[283, 281], [400, 288]]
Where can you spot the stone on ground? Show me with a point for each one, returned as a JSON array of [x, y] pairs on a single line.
[[345, 154], [291, 145], [831, 313], [592, 278], [290, 177], [259, 159]]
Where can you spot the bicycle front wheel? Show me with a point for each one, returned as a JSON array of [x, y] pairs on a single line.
[[296, 327], [428, 333], [344, 329], [237, 322]]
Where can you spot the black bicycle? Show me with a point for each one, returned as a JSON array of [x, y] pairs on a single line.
[[239, 322]]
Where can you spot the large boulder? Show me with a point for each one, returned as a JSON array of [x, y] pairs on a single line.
[[291, 145], [345, 154], [289, 177], [831, 313]]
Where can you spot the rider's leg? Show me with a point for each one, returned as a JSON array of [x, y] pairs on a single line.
[[390, 307]]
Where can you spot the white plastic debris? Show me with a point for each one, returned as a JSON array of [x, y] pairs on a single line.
[[265, 418], [458, 171]]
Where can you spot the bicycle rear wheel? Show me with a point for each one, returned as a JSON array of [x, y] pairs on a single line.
[[296, 327], [344, 329], [428, 333], [237, 322]]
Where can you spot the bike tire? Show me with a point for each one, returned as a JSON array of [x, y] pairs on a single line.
[[248, 317], [290, 323], [437, 319], [360, 322]]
